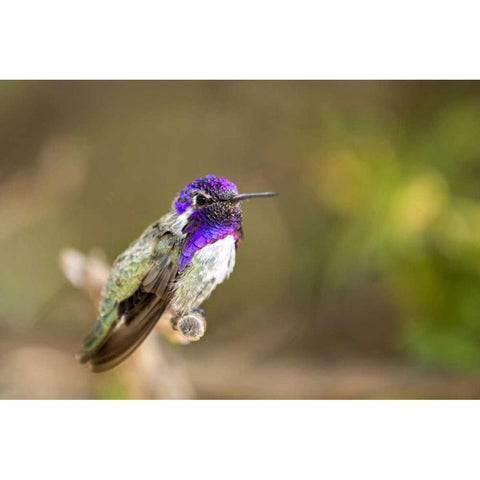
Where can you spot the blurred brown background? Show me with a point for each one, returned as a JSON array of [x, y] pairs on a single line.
[[361, 280]]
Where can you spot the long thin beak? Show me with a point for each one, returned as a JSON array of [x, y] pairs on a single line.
[[246, 196]]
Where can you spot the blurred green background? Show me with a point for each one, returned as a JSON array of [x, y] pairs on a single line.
[[361, 280]]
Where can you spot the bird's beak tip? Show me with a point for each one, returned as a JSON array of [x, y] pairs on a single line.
[[246, 196]]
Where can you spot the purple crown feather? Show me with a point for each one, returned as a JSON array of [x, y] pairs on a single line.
[[219, 187]]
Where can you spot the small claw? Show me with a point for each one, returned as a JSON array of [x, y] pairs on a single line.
[[192, 326], [201, 312]]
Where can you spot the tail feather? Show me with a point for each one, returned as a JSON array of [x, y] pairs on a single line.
[[122, 341], [97, 336]]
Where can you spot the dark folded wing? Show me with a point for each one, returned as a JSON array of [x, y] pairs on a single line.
[[138, 314]]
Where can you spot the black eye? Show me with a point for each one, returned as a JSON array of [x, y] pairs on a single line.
[[200, 200]]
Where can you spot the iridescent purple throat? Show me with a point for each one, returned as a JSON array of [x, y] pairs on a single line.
[[200, 234], [206, 226]]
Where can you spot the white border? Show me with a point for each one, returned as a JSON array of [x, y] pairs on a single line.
[[241, 40], [249, 439]]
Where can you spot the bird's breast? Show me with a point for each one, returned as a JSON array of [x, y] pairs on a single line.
[[217, 259], [210, 266]]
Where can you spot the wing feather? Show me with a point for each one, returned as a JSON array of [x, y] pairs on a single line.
[[137, 320], [139, 303]]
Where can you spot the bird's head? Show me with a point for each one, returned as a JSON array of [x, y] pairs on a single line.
[[212, 209], [214, 200]]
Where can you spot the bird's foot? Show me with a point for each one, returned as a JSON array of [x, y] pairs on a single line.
[[193, 325]]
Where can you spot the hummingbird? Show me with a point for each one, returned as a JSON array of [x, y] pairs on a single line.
[[169, 271]]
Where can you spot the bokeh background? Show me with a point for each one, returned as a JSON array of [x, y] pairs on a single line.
[[361, 280]]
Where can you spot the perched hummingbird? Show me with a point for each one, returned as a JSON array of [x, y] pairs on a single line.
[[169, 271]]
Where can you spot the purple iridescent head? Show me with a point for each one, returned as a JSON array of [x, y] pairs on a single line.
[[212, 205], [205, 190]]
